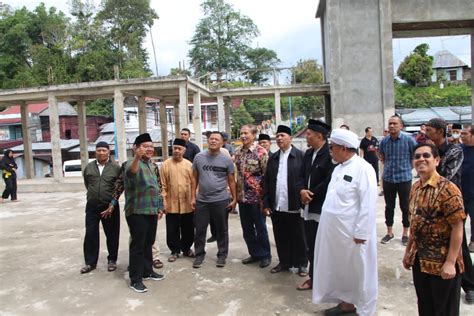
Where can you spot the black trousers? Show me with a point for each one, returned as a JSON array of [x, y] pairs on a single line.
[[375, 165], [206, 212], [111, 228], [436, 297], [179, 232], [467, 282], [254, 230], [143, 233], [288, 231], [310, 230], [10, 188], [390, 191]]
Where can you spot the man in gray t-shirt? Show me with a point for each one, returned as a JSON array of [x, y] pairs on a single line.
[[214, 173]]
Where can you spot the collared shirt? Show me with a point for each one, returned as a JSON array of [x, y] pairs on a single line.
[[281, 196], [142, 190], [176, 185], [251, 166], [434, 207], [191, 151], [101, 167], [398, 155]]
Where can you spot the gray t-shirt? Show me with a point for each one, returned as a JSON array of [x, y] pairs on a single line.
[[213, 171]]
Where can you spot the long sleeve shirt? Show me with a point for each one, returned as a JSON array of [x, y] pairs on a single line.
[[176, 180]]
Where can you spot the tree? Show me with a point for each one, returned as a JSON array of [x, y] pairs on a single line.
[[259, 60], [127, 23], [221, 39], [240, 117], [416, 68], [308, 71]]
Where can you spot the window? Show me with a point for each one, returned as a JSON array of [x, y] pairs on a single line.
[[452, 75], [68, 134]]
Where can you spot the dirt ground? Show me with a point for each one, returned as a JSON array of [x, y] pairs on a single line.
[[41, 254]]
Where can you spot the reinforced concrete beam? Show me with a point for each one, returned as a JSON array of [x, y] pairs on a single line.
[[55, 138], [27, 149], [183, 109], [220, 113]]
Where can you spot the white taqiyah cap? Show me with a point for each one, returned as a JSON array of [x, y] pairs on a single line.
[[345, 138]]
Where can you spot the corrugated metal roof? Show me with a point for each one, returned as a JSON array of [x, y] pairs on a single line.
[[64, 109], [444, 59], [457, 114], [65, 144], [32, 108]]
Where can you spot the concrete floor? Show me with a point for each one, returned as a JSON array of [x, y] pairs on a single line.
[[41, 254]]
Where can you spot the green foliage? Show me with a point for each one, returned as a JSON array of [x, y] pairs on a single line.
[[44, 46], [103, 107], [179, 72], [407, 96], [221, 39], [257, 60], [240, 117], [416, 68], [307, 71]]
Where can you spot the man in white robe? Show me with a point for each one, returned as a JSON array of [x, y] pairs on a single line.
[[345, 256]]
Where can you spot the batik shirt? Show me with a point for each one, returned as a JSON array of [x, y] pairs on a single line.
[[434, 207], [142, 190], [251, 166]]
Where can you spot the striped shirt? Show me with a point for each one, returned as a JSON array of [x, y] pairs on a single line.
[[142, 190], [398, 156]]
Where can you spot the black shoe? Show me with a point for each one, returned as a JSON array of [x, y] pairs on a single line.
[[265, 262], [198, 263], [470, 297], [220, 262], [211, 239], [138, 287], [153, 276], [249, 260]]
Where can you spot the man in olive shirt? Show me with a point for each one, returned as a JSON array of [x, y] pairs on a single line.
[[143, 203], [99, 179]]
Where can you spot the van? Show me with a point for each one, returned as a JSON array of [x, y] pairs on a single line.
[[72, 168]]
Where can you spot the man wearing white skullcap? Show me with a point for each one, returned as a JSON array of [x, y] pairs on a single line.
[[347, 233]]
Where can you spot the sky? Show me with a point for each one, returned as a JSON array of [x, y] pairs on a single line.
[[287, 27]]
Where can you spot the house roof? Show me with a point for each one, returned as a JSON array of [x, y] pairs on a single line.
[[64, 109], [10, 121], [32, 108], [452, 114], [65, 144], [444, 59]]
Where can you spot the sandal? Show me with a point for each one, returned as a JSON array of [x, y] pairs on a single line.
[[277, 268], [157, 264], [306, 285], [88, 268]]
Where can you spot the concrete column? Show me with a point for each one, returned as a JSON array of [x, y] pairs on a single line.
[[472, 76], [227, 106], [164, 130], [119, 120], [177, 123], [183, 112], [55, 138], [82, 119], [27, 149], [220, 113], [277, 108], [197, 122], [142, 128]]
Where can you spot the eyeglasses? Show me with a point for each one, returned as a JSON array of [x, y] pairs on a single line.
[[424, 155]]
